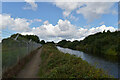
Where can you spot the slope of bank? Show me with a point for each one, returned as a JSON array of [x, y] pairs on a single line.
[[105, 43], [56, 64]]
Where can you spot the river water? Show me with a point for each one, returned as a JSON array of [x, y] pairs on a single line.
[[110, 67]]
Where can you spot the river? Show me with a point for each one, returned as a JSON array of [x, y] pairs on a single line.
[[110, 67]]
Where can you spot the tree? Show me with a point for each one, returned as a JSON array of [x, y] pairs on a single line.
[[99, 43], [108, 31], [42, 42], [62, 43], [104, 31]]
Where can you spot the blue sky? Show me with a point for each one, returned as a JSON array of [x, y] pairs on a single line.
[[45, 11], [48, 11], [54, 12]]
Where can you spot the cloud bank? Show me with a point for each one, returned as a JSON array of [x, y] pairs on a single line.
[[30, 5], [62, 30], [90, 10], [65, 30], [17, 24]]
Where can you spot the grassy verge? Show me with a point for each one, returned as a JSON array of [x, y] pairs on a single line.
[[56, 64]]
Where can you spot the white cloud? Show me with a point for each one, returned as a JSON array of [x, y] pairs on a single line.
[[73, 18], [102, 23], [114, 12], [62, 30], [86, 0], [68, 7], [17, 24], [34, 20], [27, 33], [94, 10], [102, 28], [38, 20], [30, 5], [65, 30], [90, 10], [46, 22], [86, 26]]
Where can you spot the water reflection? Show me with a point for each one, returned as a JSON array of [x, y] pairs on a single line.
[[110, 67]]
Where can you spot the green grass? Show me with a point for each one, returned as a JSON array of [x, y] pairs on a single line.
[[56, 64]]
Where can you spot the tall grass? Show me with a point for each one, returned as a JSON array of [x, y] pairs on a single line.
[[56, 64]]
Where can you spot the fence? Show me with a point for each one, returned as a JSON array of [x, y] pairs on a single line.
[[14, 49]]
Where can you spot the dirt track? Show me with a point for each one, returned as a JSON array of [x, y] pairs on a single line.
[[31, 68]]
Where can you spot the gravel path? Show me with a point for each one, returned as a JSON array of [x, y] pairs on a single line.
[[31, 68]]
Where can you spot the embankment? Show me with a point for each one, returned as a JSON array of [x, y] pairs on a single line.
[[56, 64]]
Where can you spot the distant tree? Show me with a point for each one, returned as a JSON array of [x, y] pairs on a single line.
[[62, 43], [50, 42], [27, 37], [42, 42], [99, 43], [33, 37], [104, 31], [108, 31]]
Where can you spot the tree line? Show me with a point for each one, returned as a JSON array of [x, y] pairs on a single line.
[[102, 43], [34, 38]]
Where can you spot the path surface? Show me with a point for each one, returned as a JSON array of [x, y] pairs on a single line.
[[31, 68]]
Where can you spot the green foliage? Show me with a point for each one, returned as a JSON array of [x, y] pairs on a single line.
[[33, 37], [62, 43], [111, 51], [25, 37], [42, 42], [50, 42], [13, 50], [56, 64], [99, 43]]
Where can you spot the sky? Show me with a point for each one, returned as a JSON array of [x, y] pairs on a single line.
[[54, 21]]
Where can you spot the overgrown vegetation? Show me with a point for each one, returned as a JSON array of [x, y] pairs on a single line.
[[11, 72], [28, 37], [55, 64], [102, 43], [34, 38], [14, 50]]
